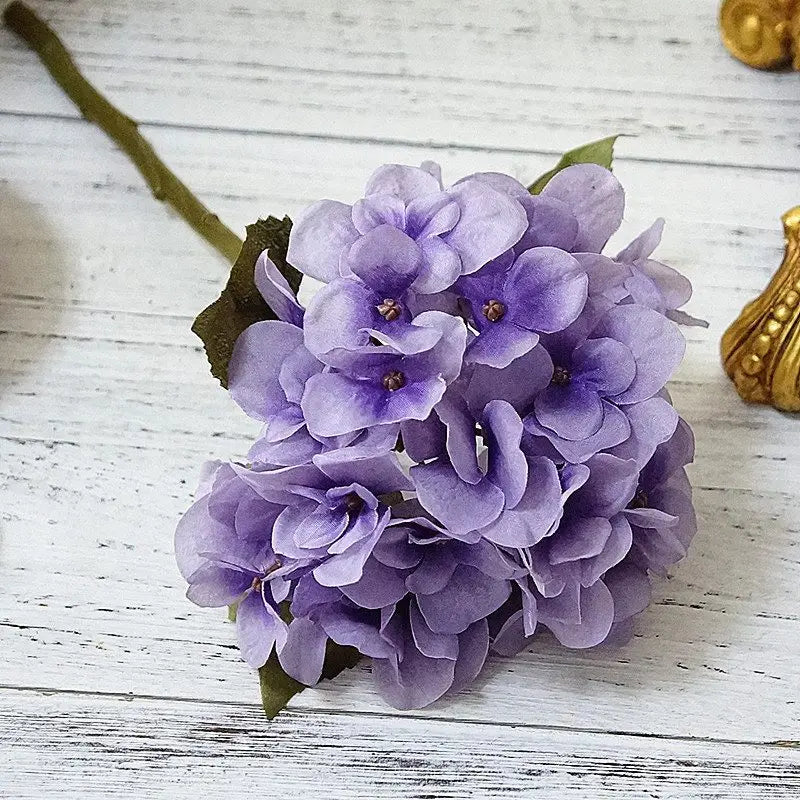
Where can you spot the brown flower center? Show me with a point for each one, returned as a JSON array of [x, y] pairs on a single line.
[[354, 503], [390, 309], [494, 311], [394, 380], [640, 500], [561, 377]]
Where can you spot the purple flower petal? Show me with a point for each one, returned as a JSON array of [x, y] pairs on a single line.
[[606, 365], [596, 617], [533, 517], [401, 181], [652, 422], [459, 506], [319, 238], [430, 644], [380, 209], [303, 654], [595, 197], [508, 467], [386, 259], [431, 215], [573, 412], [546, 289], [378, 587], [579, 538], [469, 596], [644, 244], [255, 364], [339, 316], [490, 224], [630, 588], [257, 628], [473, 647], [615, 429], [276, 291], [499, 344], [610, 487], [415, 682], [353, 627], [656, 344], [518, 383], [551, 223], [424, 439], [213, 586]]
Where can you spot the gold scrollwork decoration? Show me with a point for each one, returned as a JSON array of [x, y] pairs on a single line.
[[761, 349], [762, 33]]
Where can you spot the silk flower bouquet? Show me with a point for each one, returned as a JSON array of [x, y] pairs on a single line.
[[467, 434]]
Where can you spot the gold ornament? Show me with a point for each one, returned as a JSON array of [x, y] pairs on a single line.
[[761, 350], [763, 33]]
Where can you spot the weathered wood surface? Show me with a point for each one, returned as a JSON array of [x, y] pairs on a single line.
[[107, 410]]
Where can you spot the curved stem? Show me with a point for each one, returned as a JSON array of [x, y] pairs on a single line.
[[122, 129]]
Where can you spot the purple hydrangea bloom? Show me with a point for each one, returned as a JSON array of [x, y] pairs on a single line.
[[467, 434]]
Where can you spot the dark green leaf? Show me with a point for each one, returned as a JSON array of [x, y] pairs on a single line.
[[600, 152], [277, 688], [240, 303]]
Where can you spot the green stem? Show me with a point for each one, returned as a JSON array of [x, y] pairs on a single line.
[[121, 128]]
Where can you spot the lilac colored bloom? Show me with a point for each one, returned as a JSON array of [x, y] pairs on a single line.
[[333, 512], [563, 589], [512, 301], [223, 549], [653, 284], [467, 434], [385, 384], [662, 515], [419, 609], [627, 359], [458, 229]]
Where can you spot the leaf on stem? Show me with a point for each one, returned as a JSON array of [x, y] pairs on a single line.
[[277, 688], [600, 152], [241, 304]]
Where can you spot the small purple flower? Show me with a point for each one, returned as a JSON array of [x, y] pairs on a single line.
[[513, 502], [512, 301], [563, 589], [661, 513], [627, 359], [458, 229], [223, 549], [383, 385], [375, 300], [653, 284], [267, 377], [433, 595], [332, 513]]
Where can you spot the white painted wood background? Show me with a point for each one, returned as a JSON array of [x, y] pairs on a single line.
[[111, 683]]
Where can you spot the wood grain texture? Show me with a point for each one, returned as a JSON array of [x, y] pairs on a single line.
[[114, 683], [520, 76], [104, 746]]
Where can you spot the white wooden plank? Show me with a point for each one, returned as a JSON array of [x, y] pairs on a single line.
[[520, 76], [78, 746]]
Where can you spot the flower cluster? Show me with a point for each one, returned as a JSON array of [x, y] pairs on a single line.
[[466, 433]]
